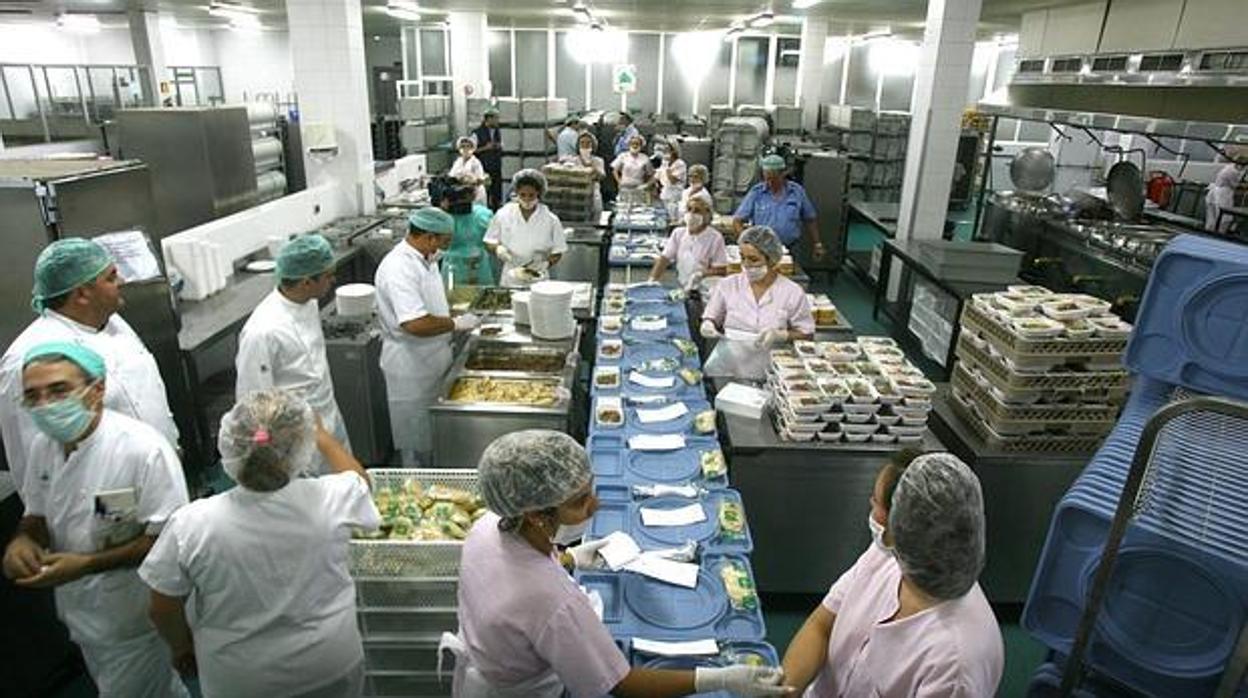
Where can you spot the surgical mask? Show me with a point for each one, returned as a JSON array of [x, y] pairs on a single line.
[[693, 220], [64, 420], [755, 273], [567, 535], [527, 204], [695, 185], [634, 149], [877, 534], [586, 152]]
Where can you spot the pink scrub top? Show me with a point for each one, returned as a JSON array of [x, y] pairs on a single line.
[[783, 306], [952, 650], [692, 253]]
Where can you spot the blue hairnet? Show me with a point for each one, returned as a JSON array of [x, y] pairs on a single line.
[[306, 255], [91, 363], [773, 163], [766, 240], [937, 523], [267, 439], [431, 219], [531, 178], [531, 470], [64, 266]]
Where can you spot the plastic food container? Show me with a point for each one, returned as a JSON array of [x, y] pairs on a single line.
[[858, 408], [852, 418], [857, 438], [883, 438], [808, 403], [860, 428]]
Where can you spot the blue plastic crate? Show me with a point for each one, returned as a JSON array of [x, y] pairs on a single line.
[[627, 468], [730, 653], [1192, 326], [637, 606], [619, 511]]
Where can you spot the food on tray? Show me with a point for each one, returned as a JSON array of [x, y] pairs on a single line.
[[801, 387], [691, 376], [818, 366], [1029, 290], [484, 359], [842, 351], [1038, 326], [664, 365], [412, 512], [607, 377], [611, 349], [492, 300], [615, 305], [1110, 327], [611, 324], [491, 330], [860, 390], [686, 347], [503, 391], [1078, 328], [676, 295], [740, 588], [866, 368], [805, 348], [610, 416], [704, 422], [885, 388], [731, 521], [713, 464]]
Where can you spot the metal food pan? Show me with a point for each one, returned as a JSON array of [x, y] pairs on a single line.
[[509, 357], [561, 396]]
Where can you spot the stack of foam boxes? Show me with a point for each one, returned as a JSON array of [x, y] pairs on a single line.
[[739, 141], [426, 129]]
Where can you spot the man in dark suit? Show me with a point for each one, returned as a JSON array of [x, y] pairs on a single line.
[[490, 153]]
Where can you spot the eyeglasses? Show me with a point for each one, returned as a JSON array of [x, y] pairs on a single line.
[[33, 397]]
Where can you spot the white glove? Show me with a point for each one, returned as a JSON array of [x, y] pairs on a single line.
[[467, 322], [585, 555], [771, 338], [503, 254], [741, 680], [694, 279], [708, 330]]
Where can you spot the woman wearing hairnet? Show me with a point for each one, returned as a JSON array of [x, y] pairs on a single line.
[[526, 236], [633, 170], [468, 169], [266, 562], [587, 145], [908, 619], [698, 177], [755, 309], [526, 629]]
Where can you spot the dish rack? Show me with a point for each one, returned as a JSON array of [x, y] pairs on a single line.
[[570, 192], [1044, 418], [1042, 354]]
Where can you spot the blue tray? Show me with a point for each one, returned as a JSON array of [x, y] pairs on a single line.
[[673, 329], [623, 468], [649, 293], [636, 606], [730, 653], [617, 511], [681, 425], [616, 440], [1192, 326]]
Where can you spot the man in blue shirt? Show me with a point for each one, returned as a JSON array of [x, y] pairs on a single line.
[[565, 140], [490, 153], [780, 205], [627, 131]]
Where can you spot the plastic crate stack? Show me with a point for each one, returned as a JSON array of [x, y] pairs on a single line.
[[406, 590], [876, 142], [1178, 597], [1026, 382], [738, 143], [426, 129], [523, 125], [647, 384], [570, 192]]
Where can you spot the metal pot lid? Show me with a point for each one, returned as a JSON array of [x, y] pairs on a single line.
[[1125, 189], [1032, 169]]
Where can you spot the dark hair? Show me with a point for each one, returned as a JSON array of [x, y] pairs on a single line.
[[893, 470], [626, 116], [263, 471]]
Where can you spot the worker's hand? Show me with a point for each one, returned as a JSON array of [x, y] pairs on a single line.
[[585, 555], [22, 559], [504, 255], [770, 338], [58, 569], [708, 330], [741, 680], [467, 322]]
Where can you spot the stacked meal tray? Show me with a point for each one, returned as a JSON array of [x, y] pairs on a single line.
[[848, 392], [1040, 371]]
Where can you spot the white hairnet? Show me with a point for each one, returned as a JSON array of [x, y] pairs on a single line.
[[531, 178], [766, 240], [531, 470], [267, 439], [937, 523], [700, 171]]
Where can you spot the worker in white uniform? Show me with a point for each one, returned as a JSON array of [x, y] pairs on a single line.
[[77, 294], [908, 619], [266, 562], [633, 170], [698, 177], [99, 487], [671, 179], [468, 169], [525, 235], [416, 326], [283, 346], [526, 629], [586, 146], [1221, 194]]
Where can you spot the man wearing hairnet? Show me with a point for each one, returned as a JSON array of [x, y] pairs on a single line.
[[526, 236], [782, 206], [908, 619], [526, 629], [99, 488], [416, 326], [282, 344], [77, 294]]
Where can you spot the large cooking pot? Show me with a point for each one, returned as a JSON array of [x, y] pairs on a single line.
[[1032, 169], [1125, 189]]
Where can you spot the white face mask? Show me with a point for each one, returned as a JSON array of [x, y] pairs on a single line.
[[755, 273], [693, 221], [877, 534], [696, 186], [567, 535], [634, 149], [586, 152], [527, 204]]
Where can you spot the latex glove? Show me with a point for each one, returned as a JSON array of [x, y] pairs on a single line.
[[694, 279], [504, 255], [708, 330], [467, 322], [741, 680], [585, 555], [771, 338]]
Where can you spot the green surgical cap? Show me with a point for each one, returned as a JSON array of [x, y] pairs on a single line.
[[91, 363], [64, 266], [772, 163], [490, 111], [431, 220], [305, 256]]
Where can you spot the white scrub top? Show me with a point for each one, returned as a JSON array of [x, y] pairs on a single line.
[[409, 287], [522, 617], [952, 650], [634, 169], [671, 177], [272, 604], [132, 386], [1220, 195], [470, 169], [528, 240], [282, 346], [701, 194]]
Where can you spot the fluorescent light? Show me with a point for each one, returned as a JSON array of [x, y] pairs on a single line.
[[598, 45], [804, 4], [223, 9], [766, 18], [245, 24], [880, 34], [79, 24], [894, 57], [696, 53], [404, 10]]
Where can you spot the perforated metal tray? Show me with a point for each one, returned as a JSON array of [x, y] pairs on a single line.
[[408, 559]]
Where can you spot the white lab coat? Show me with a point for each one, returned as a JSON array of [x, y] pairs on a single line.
[[671, 177], [470, 169], [409, 287], [283, 346], [133, 385], [1220, 195], [271, 600], [531, 240], [106, 613]]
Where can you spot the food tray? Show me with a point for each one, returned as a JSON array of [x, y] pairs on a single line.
[[1029, 418], [527, 392], [492, 301], [637, 606], [616, 514], [729, 653], [1040, 443], [517, 358], [406, 558], [1041, 353], [681, 425], [621, 468], [1021, 385]]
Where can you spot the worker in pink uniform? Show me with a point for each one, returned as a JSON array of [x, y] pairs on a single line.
[[755, 309], [526, 629], [908, 619]]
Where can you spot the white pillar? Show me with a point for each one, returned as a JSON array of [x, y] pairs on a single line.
[[327, 53], [470, 63], [940, 86], [149, 50], [810, 70]]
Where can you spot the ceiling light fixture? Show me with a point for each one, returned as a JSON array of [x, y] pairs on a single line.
[[804, 4], [880, 34], [736, 28], [405, 10], [222, 9], [79, 24], [763, 19]]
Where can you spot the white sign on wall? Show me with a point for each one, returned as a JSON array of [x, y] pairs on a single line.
[[624, 79]]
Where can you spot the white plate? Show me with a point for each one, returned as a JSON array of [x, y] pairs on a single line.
[[261, 265]]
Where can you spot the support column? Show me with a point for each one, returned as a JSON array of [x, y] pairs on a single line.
[[470, 63], [327, 54], [810, 70], [939, 97], [149, 50]]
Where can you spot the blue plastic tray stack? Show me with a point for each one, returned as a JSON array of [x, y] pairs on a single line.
[[638, 236], [636, 606], [1178, 597]]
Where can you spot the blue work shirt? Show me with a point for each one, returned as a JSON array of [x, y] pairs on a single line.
[[621, 143], [783, 214]]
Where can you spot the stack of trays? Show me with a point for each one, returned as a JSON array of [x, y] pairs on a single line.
[[569, 191]]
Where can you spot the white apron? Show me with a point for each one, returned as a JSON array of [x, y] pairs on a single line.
[[136, 668], [414, 374], [1216, 199], [469, 683], [732, 358]]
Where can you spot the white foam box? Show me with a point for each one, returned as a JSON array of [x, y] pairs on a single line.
[[511, 165], [508, 110], [533, 140], [513, 139], [543, 110], [742, 401]]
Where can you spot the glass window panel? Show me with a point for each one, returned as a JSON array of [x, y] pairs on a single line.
[[1034, 132], [531, 63], [833, 67], [1007, 129], [130, 85], [569, 74], [751, 70], [715, 87], [861, 91], [210, 85], [1005, 68], [433, 52], [21, 92], [895, 93], [98, 84], [603, 96], [500, 62], [643, 52], [63, 88], [788, 52], [677, 92]]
